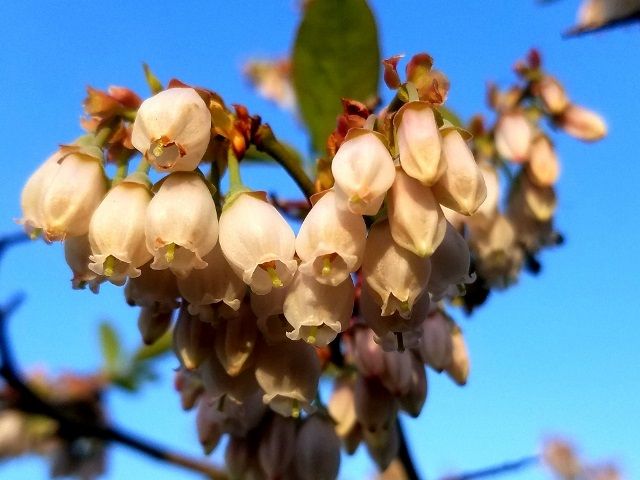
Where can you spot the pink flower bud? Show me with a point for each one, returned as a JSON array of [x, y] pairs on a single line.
[[209, 424], [513, 137], [154, 289], [192, 340], [117, 234], [76, 253], [363, 171], [217, 283], [552, 94], [458, 369], [190, 387], [235, 341], [318, 312], [318, 450], [449, 264], [277, 446], [172, 130], [33, 193], [238, 457], [153, 324], [415, 217], [543, 168], [418, 141], [181, 224], [582, 124], [288, 373], [538, 203], [490, 204], [413, 400], [396, 276], [375, 408], [561, 458], [331, 241], [71, 195], [462, 187], [342, 408], [383, 449], [218, 383], [436, 348], [258, 243]]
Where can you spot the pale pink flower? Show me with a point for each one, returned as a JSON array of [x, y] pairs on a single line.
[[449, 264], [552, 94], [76, 253], [582, 124], [33, 193], [543, 168], [513, 135]]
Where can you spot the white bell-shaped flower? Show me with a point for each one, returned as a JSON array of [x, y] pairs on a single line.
[[155, 289], [363, 171], [331, 241], [72, 194], [181, 225], [116, 232], [449, 264], [258, 243], [396, 276], [513, 135], [213, 284], [415, 217], [33, 192], [76, 253], [462, 187], [318, 312], [490, 205], [172, 130], [419, 143]]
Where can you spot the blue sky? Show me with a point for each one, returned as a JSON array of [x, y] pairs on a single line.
[[555, 354]]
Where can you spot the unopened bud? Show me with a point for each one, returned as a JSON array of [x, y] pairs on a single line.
[[277, 446], [318, 450], [582, 124], [513, 137]]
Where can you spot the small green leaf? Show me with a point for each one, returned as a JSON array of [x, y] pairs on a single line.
[[336, 55], [158, 348], [448, 114], [154, 83], [110, 344]]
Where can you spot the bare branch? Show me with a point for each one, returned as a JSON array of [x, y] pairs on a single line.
[[508, 467]]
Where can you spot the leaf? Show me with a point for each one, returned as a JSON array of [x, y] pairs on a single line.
[[154, 84], [158, 348], [110, 344], [336, 55], [449, 115]]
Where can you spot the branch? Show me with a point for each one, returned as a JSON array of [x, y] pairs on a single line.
[[31, 402], [405, 456], [583, 30], [496, 470], [265, 141]]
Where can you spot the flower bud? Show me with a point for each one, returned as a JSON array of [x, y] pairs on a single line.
[[235, 341], [318, 450], [418, 141], [192, 340], [436, 348], [537, 202], [288, 373], [117, 235], [513, 137], [218, 383], [277, 446], [375, 408], [153, 324], [490, 205], [543, 167], [462, 187], [215, 284], [415, 217], [383, 449], [318, 312], [181, 224], [76, 253], [71, 195], [330, 242], [190, 387], [155, 289], [342, 408], [458, 369], [363, 171], [258, 243], [241, 417], [208, 424], [172, 130], [561, 458], [553, 96], [582, 124], [33, 193], [413, 400], [449, 264], [396, 276], [238, 457]]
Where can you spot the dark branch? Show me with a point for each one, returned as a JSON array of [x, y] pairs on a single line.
[[405, 456], [578, 31], [30, 402], [508, 467]]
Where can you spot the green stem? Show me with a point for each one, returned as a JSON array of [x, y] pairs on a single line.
[[121, 172], [235, 181], [265, 141], [214, 178], [103, 135], [143, 166]]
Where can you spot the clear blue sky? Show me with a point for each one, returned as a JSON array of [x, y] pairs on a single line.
[[555, 354]]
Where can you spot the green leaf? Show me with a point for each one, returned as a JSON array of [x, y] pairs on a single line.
[[336, 55], [110, 344], [159, 348], [451, 116], [154, 83]]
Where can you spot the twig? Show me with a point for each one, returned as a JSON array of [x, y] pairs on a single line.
[[31, 402], [405, 456], [583, 30], [496, 470]]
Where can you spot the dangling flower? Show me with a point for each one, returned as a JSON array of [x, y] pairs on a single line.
[[458, 369], [71, 195], [318, 312], [449, 264], [181, 224], [156, 289], [76, 253], [419, 143], [396, 276], [318, 450], [215, 284], [513, 137], [462, 187], [116, 232], [552, 94], [33, 192], [582, 124], [543, 167], [363, 171], [277, 447], [331, 241], [172, 130], [258, 243], [415, 217]]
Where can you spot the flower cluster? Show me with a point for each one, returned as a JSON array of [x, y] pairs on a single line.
[[259, 313]]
